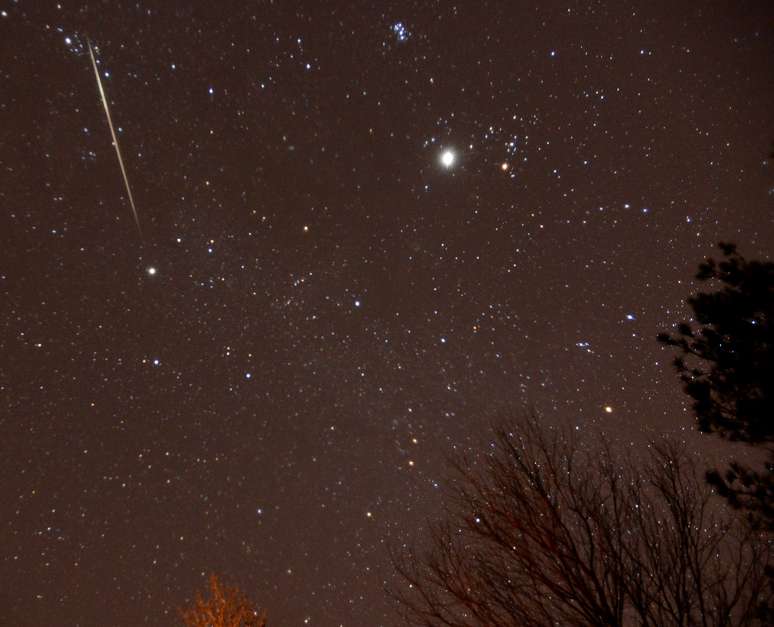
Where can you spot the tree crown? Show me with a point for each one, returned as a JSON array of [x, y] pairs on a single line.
[[726, 360]]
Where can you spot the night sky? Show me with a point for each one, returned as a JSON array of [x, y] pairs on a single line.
[[367, 228]]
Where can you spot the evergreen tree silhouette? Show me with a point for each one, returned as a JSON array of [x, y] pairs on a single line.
[[726, 364]]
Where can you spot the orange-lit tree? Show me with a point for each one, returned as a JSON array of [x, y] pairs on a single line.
[[227, 606]]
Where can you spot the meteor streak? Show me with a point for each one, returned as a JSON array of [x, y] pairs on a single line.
[[115, 139]]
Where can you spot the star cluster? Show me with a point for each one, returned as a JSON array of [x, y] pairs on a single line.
[[366, 229]]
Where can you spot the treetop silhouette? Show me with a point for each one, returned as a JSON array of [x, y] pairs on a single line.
[[726, 359]]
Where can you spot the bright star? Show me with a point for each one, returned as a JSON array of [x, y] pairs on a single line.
[[447, 158], [151, 271]]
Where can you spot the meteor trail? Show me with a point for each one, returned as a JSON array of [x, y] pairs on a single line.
[[115, 139]]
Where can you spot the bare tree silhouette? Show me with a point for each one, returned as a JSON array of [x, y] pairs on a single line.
[[542, 531]]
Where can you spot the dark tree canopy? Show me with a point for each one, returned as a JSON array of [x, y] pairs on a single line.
[[726, 363], [726, 360]]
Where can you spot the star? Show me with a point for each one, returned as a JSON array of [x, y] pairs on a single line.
[[151, 271], [448, 158]]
